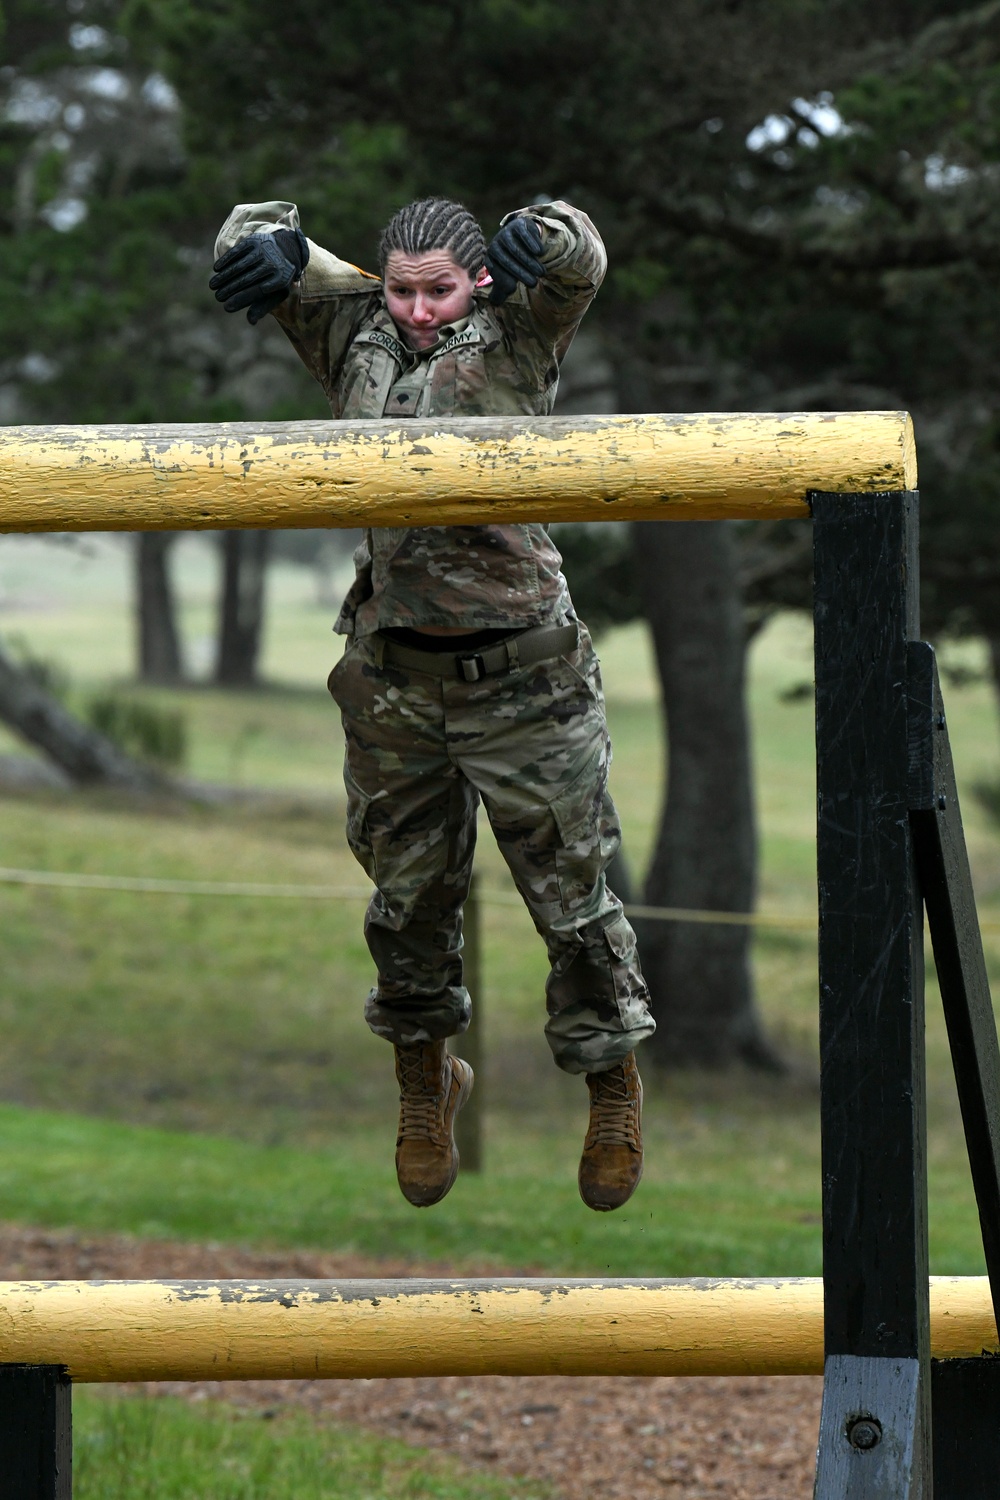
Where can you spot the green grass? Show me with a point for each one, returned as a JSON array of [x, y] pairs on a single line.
[[691, 1216], [241, 1019], [709, 1204], [200, 1068], [128, 1449]]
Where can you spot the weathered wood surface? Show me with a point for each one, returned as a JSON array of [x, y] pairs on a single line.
[[456, 471], [966, 1432], [237, 1330], [945, 880], [871, 993], [36, 1433], [870, 930]]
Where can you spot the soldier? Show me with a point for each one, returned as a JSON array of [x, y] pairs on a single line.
[[466, 674]]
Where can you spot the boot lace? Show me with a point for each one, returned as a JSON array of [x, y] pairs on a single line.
[[420, 1108], [612, 1111]]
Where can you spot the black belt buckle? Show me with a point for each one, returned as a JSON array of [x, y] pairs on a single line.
[[471, 668]]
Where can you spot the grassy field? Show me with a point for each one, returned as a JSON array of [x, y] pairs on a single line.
[[126, 1449], [199, 1067]]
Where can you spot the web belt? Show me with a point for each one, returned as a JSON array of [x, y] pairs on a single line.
[[528, 647]]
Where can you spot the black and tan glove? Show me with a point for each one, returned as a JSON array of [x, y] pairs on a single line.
[[259, 270], [513, 258]]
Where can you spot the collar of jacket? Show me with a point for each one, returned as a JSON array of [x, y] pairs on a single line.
[[385, 334]]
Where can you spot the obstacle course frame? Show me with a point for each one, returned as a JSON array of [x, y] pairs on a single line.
[[894, 1425]]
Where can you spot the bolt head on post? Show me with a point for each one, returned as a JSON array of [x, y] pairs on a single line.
[[864, 1433]]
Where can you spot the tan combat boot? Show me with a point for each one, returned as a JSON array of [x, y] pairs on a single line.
[[611, 1164], [433, 1086]]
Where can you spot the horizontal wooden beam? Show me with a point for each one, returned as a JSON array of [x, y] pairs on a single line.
[[458, 471], [239, 1330]]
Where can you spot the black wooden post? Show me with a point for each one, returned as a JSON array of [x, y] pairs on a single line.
[[36, 1443], [966, 1396], [875, 1424]]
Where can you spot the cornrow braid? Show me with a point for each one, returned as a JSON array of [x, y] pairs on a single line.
[[434, 224]]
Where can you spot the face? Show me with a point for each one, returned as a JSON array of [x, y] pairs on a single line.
[[424, 292]]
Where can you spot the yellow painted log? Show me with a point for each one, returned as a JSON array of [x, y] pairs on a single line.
[[236, 1330], [459, 471]]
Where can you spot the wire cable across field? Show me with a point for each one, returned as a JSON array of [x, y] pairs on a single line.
[[148, 885]]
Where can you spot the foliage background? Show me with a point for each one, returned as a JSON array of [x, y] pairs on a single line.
[[801, 205]]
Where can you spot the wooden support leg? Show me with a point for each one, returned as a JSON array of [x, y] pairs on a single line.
[[966, 1395], [946, 885], [875, 1423], [871, 1427], [36, 1443]]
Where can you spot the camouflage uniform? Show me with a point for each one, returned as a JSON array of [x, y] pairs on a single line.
[[422, 749]]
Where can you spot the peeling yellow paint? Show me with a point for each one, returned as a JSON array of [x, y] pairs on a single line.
[[456, 471], [331, 1330]]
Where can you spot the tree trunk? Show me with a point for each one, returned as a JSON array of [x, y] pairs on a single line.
[[241, 614], [993, 648], [159, 641], [705, 858], [86, 756]]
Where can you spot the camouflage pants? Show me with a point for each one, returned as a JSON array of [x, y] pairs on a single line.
[[534, 746]]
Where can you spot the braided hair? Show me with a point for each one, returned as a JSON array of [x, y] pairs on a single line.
[[434, 224]]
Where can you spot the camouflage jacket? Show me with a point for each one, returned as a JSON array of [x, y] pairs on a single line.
[[499, 361]]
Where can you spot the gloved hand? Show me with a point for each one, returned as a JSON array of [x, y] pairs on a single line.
[[513, 257], [258, 271]]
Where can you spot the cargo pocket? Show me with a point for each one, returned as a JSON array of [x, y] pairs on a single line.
[[358, 833], [576, 809], [339, 680], [623, 961], [583, 668], [631, 994]]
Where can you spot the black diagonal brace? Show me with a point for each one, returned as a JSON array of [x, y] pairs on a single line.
[[946, 886]]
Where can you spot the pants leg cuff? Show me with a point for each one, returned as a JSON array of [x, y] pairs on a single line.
[[419, 1018], [599, 1051]]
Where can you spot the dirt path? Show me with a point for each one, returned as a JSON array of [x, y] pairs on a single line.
[[683, 1438]]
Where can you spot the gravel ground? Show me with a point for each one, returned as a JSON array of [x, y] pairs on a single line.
[[680, 1437]]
